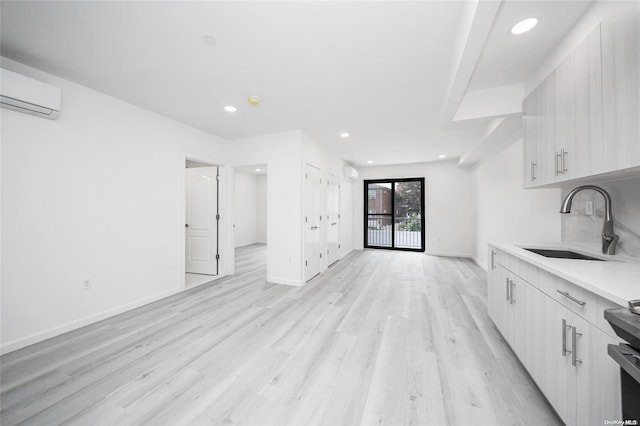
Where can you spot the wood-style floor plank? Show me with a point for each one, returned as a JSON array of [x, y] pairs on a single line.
[[380, 338]]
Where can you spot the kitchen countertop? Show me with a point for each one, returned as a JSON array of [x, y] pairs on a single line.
[[617, 280]]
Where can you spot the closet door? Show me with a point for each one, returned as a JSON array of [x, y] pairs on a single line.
[[312, 222], [333, 218]]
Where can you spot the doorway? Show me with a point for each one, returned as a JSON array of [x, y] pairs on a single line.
[[202, 222], [250, 217], [394, 214]]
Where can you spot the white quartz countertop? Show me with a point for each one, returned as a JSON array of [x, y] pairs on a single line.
[[617, 279]]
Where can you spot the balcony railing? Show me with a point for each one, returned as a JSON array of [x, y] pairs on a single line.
[[407, 232]]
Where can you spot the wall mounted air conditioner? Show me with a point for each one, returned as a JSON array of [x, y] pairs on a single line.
[[351, 173], [24, 94]]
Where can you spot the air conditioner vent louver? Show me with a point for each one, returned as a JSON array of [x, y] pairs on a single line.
[[24, 94]]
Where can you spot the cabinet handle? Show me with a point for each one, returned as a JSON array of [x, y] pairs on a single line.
[[533, 171], [493, 255], [508, 295], [564, 338], [556, 153], [512, 300], [563, 169], [574, 347], [570, 297]]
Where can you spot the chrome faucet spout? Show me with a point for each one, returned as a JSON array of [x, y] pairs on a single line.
[[609, 238]]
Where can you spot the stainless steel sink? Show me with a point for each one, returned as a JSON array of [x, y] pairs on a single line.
[[562, 254]]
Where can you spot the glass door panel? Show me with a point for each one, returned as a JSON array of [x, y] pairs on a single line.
[[379, 214], [408, 214]]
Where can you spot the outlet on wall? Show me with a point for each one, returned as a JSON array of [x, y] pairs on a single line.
[[588, 210]]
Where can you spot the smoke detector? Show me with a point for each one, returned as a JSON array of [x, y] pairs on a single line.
[[254, 101]]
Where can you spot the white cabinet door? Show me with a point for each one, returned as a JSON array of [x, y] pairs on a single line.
[[536, 334], [598, 379], [502, 320], [531, 131], [492, 284], [621, 87], [578, 109], [548, 149], [522, 315], [586, 157], [559, 384]]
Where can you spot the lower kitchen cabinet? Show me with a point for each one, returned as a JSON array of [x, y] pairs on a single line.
[[559, 345], [599, 397]]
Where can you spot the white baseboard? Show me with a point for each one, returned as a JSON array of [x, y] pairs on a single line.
[[480, 264], [447, 254], [285, 281], [347, 254], [73, 325]]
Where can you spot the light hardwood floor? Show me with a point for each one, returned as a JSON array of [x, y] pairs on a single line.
[[381, 338]]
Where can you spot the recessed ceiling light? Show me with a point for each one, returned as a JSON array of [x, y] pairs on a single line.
[[209, 40], [369, 162], [344, 135], [442, 156], [258, 170], [524, 26], [230, 108]]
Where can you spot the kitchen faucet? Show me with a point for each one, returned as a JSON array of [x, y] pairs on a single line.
[[609, 239]]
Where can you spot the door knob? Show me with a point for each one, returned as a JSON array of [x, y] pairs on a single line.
[[186, 225]]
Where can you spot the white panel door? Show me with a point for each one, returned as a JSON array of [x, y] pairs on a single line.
[[333, 219], [312, 222], [201, 227]]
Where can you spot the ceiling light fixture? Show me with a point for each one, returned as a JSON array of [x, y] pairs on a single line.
[[524, 26], [344, 135], [258, 170], [209, 40], [442, 156], [254, 101], [230, 108], [369, 162]]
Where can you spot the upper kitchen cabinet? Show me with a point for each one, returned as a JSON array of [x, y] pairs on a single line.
[[584, 119], [562, 119], [578, 112], [621, 87]]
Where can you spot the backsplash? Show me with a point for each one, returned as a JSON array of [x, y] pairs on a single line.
[[581, 229]]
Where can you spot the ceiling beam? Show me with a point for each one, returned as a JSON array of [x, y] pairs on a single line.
[[500, 132], [499, 101], [476, 24]]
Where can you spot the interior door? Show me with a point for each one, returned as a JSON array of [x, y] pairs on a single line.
[[201, 224], [312, 222], [333, 219]]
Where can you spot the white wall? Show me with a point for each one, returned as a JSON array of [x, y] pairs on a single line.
[[449, 204], [282, 152], [261, 226], [96, 195], [507, 212], [246, 211]]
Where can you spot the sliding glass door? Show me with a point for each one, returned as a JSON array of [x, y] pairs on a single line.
[[393, 216]]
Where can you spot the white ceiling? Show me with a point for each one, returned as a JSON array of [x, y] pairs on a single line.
[[378, 70], [509, 59]]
